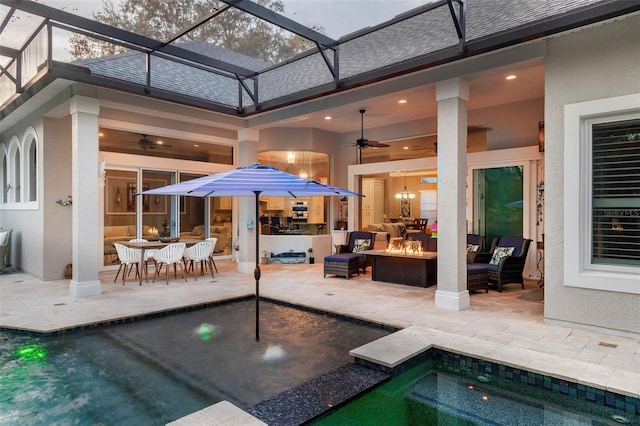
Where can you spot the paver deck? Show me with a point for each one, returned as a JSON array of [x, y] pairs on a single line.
[[507, 326]]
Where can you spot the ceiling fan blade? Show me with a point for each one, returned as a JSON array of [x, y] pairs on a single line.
[[363, 143], [376, 144], [146, 143]]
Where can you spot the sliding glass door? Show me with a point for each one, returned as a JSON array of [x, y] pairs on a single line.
[[498, 203], [158, 216]]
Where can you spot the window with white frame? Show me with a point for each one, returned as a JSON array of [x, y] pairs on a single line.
[[429, 205], [615, 183], [5, 178], [602, 194], [31, 169], [17, 181]]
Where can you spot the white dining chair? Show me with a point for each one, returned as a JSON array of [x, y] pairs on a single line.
[[148, 254], [200, 252], [214, 241], [128, 257], [170, 255]]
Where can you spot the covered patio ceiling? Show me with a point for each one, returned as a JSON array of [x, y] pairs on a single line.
[[182, 68]]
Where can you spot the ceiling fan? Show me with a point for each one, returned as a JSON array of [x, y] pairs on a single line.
[[146, 143], [363, 143]]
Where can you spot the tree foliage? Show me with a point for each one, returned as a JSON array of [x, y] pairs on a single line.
[[232, 29]]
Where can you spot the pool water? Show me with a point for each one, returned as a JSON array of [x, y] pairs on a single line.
[[424, 395], [157, 370]]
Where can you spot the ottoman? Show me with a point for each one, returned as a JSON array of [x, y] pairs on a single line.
[[343, 264], [477, 277]]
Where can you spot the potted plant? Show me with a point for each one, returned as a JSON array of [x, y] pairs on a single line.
[[265, 257], [311, 258]]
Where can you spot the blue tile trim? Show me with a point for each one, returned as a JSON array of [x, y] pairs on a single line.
[[462, 364]]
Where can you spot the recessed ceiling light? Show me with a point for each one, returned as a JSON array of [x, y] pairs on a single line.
[[101, 134], [511, 77], [160, 142], [328, 117], [402, 101], [405, 147], [196, 145]]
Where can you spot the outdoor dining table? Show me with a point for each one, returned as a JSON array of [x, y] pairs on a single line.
[[150, 245]]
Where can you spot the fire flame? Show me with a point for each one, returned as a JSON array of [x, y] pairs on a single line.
[[407, 247], [153, 230]]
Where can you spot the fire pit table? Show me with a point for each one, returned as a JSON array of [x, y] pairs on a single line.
[[418, 270]]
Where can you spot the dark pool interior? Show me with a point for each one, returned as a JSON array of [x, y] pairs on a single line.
[[157, 370]]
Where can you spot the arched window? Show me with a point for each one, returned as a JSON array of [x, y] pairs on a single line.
[[30, 165], [14, 181], [4, 178], [33, 168], [17, 187]]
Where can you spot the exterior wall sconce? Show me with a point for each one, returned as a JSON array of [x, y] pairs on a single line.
[[291, 157], [118, 195], [66, 202]]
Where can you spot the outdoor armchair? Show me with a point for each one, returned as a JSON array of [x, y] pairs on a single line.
[[474, 246], [423, 237], [5, 244], [359, 241], [505, 260]]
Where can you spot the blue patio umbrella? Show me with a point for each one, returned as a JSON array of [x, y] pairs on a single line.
[[251, 181]]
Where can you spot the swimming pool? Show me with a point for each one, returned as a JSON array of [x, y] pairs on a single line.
[[157, 370], [453, 389]]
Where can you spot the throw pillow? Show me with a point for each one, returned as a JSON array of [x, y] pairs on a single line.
[[499, 253], [388, 227], [198, 231], [472, 248], [3, 237], [361, 245]]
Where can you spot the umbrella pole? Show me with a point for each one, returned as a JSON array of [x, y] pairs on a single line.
[[256, 271]]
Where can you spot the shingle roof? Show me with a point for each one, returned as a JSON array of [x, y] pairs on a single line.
[[408, 39]]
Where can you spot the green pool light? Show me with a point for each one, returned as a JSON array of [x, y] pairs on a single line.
[[31, 352], [205, 331]]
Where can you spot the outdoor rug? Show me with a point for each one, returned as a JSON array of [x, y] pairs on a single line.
[[535, 295]]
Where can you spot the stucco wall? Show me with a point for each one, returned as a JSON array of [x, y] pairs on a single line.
[[58, 239], [596, 63], [27, 223]]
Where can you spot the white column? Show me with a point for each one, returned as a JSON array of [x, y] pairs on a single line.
[[247, 155], [452, 96], [84, 168]]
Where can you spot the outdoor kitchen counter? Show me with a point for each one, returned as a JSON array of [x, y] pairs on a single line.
[[321, 244]]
